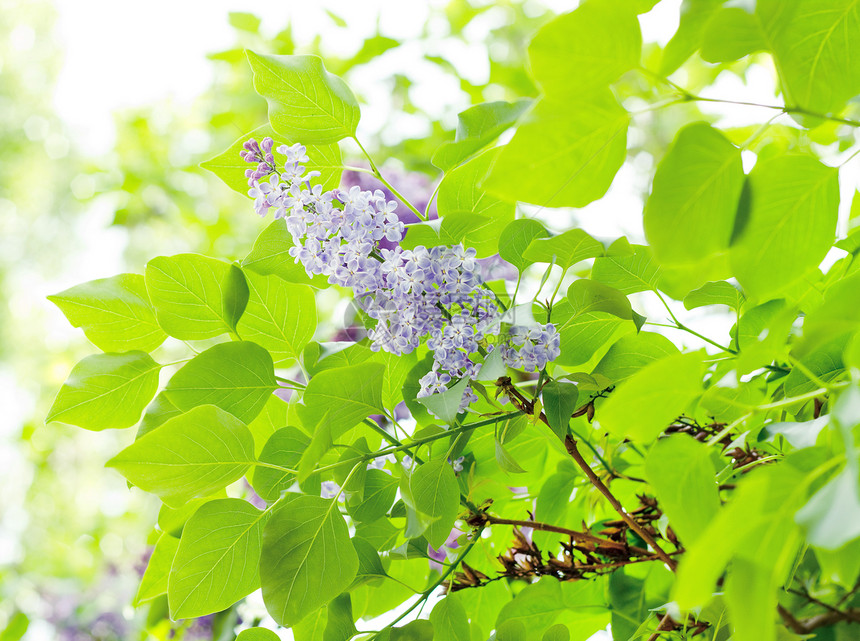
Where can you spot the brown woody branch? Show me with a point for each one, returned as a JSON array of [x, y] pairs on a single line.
[[527, 407], [809, 624], [575, 535]]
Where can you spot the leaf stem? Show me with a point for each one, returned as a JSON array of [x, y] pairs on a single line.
[[448, 571], [688, 96], [679, 325], [291, 382], [375, 171], [803, 369], [430, 202], [402, 447]]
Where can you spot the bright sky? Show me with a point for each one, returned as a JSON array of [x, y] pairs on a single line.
[[123, 54]]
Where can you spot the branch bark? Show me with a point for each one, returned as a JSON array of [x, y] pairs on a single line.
[[526, 406]]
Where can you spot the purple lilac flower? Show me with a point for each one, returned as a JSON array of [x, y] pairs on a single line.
[[437, 557], [330, 489], [201, 628], [253, 498], [531, 348], [432, 294]]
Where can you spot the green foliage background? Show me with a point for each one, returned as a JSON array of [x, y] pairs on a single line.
[[775, 384]]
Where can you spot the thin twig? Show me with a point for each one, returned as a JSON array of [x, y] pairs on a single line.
[[570, 445], [666, 624]]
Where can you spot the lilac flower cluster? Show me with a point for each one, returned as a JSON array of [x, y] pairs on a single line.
[[435, 294], [531, 348]]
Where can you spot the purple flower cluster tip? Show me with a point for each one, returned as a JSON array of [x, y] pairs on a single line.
[[434, 294]]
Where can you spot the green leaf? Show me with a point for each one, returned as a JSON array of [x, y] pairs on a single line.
[[217, 563], [436, 494], [446, 405], [16, 627], [815, 44], [831, 517], [257, 634], [154, 581], [565, 154], [285, 448], [645, 404], [342, 406], [559, 402], [114, 313], [276, 413], [516, 237], [582, 335], [449, 619], [230, 167], [755, 526], [695, 15], [537, 606], [191, 455], [690, 213], [158, 411], [801, 434], [106, 391], [397, 367], [280, 316], [380, 490], [749, 594], [381, 534], [418, 630], [513, 630], [270, 255], [715, 293], [323, 356], [628, 273], [469, 214], [839, 314], [825, 363], [761, 334], [312, 627], [564, 250], [631, 353], [369, 563], [340, 625], [841, 566], [484, 605], [557, 632], [507, 462], [731, 34], [850, 243], [173, 519], [321, 443], [306, 102], [553, 502], [680, 471], [587, 296], [237, 377], [196, 297], [586, 49], [477, 127], [790, 226], [244, 21], [627, 598], [307, 558]]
